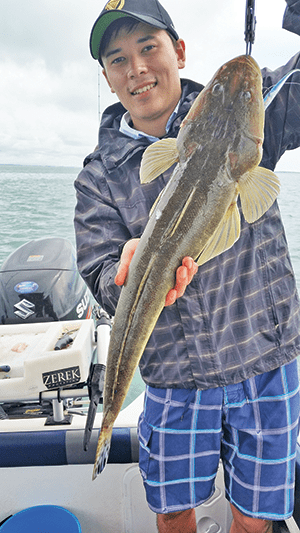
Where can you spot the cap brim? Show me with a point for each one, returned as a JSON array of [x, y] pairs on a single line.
[[104, 21], [99, 29]]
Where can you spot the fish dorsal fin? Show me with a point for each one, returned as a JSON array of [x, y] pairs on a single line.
[[258, 190], [227, 232], [157, 159]]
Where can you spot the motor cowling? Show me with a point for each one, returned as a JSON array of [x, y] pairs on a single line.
[[40, 282]]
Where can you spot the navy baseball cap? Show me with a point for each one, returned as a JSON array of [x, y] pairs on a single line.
[[147, 11]]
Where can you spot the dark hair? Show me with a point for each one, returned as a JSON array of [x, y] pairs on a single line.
[[127, 23]]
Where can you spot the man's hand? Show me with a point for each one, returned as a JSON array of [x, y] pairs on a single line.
[[125, 260], [184, 273]]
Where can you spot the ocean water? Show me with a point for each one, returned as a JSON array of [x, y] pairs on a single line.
[[38, 201], [35, 202]]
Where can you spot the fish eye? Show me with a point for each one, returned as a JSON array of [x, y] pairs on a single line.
[[246, 96], [217, 89]]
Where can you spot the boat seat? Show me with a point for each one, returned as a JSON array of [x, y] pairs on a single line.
[[50, 518]]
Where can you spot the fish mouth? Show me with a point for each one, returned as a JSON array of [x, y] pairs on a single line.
[[144, 89]]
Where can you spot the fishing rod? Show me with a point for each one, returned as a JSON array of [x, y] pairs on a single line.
[[250, 23]]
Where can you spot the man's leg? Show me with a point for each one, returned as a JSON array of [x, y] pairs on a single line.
[[245, 524], [179, 433], [185, 522], [181, 522], [259, 445]]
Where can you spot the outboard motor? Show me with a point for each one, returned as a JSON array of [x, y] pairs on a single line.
[[40, 282]]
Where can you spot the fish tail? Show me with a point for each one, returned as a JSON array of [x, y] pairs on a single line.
[[102, 454]]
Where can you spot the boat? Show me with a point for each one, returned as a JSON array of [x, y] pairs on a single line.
[[53, 345]]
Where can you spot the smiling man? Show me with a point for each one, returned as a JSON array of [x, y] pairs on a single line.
[[142, 69], [241, 309]]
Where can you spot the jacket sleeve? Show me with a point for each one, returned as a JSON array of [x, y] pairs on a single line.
[[291, 18], [100, 235], [282, 117]]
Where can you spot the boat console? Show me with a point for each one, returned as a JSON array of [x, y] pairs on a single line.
[[37, 360]]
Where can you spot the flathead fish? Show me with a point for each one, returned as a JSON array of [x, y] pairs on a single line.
[[218, 150]]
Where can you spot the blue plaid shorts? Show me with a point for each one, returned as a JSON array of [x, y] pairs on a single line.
[[251, 426]]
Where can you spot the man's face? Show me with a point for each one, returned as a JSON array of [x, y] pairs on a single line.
[[142, 69]]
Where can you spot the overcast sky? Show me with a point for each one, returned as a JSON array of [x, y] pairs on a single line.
[[49, 81]]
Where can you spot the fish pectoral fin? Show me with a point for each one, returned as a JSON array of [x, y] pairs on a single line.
[[258, 190], [227, 232], [157, 159]]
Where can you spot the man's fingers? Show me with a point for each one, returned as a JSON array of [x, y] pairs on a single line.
[[180, 285], [171, 297], [125, 261], [121, 274], [184, 275], [191, 266], [182, 279]]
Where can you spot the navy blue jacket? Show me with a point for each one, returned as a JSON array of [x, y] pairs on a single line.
[[240, 315]]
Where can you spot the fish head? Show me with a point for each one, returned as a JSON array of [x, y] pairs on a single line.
[[229, 115]]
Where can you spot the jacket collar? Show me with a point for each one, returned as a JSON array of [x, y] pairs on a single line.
[[111, 141]]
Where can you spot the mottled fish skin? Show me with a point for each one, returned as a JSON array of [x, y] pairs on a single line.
[[219, 147]]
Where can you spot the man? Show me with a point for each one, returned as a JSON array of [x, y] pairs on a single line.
[[220, 366]]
